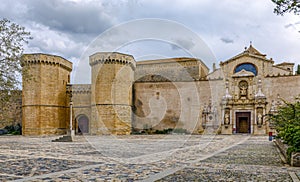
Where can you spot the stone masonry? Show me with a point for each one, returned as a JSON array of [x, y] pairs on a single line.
[[126, 96], [44, 99]]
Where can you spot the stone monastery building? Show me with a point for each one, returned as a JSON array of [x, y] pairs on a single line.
[[126, 96]]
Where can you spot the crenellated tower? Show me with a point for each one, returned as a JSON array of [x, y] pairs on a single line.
[[111, 99], [44, 99]]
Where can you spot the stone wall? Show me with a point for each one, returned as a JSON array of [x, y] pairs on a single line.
[[163, 105], [173, 69], [44, 100], [81, 98], [11, 111], [295, 157], [286, 87]]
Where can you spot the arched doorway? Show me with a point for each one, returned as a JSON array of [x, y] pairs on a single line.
[[82, 124]]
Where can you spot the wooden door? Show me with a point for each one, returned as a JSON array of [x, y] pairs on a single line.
[[243, 122]]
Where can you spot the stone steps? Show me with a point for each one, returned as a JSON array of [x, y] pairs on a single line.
[[65, 138]]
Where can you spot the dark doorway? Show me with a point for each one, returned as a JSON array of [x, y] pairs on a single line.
[[82, 124], [243, 122]]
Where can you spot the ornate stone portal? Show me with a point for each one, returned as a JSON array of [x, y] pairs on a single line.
[[247, 106], [247, 110]]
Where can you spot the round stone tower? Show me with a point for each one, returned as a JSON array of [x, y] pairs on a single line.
[[112, 79], [44, 99]]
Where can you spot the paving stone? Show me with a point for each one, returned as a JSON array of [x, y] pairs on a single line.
[[131, 158]]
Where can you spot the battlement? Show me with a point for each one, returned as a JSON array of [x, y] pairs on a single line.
[[39, 58], [79, 88], [112, 58]]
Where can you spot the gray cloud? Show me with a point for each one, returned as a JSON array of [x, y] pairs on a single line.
[[288, 25], [294, 26], [76, 18], [180, 43], [227, 40], [66, 27], [59, 27]]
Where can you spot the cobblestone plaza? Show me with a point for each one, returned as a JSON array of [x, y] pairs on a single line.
[[143, 158]]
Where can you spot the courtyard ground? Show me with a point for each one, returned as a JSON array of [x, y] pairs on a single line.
[[143, 158]]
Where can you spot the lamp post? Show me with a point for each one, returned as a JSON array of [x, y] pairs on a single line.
[[71, 132], [71, 106]]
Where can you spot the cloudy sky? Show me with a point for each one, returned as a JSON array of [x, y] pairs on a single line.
[[70, 28]]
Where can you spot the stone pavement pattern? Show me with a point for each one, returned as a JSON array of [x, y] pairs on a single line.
[[145, 158]]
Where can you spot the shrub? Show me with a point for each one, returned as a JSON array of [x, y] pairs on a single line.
[[180, 130], [165, 131], [287, 124], [14, 129]]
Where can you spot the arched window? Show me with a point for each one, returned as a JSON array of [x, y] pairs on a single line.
[[246, 66]]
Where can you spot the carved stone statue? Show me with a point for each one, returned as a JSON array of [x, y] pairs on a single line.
[[259, 119], [243, 85], [226, 119]]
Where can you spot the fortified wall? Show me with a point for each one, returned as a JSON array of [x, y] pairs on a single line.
[[11, 111], [126, 96]]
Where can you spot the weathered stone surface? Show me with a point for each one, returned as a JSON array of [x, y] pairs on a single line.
[[11, 111], [111, 93], [172, 69], [295, 159], [44, 99], [282, 147]]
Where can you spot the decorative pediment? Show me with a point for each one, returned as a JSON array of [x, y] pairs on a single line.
[[249, 52], [253, 51], [243, 73]]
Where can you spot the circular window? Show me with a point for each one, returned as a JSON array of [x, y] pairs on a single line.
[[246, 66]]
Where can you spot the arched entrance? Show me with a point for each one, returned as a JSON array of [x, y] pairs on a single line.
[[82, 124]]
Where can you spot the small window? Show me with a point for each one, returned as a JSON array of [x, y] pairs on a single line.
[[246, 66]]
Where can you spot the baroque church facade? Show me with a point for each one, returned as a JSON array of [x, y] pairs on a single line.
[[126, 96]]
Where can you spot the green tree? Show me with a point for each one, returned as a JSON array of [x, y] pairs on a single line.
[[286, 6], [12, 39], [287, 123], [298, 70]]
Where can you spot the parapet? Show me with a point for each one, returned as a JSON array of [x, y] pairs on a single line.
[[170, 69], [112, 58], [79, 88], [39, 58]]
